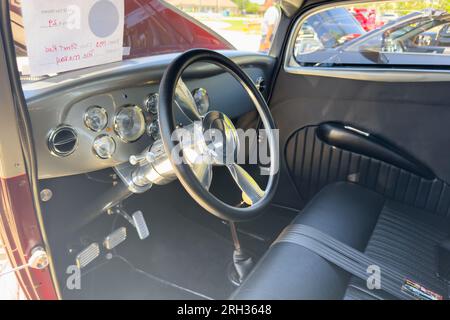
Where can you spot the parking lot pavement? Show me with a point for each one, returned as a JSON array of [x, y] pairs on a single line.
[[240, 39], [9, 287]]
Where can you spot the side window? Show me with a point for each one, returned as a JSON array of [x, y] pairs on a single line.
[[375, 34], [249, 25]]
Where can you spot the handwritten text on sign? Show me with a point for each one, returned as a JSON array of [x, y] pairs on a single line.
[[64, 35]]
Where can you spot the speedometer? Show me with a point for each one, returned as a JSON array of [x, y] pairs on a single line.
[[96, 118], [129, 123]]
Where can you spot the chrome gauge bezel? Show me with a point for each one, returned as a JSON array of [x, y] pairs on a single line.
[[142, 129], [95, 151], [154, 125], [86, 118], [152, 109]]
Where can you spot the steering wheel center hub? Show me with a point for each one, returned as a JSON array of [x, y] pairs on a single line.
[[221, 137]]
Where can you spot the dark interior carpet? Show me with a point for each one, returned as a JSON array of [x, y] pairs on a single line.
[[190, 247], [179, 249], [187, 247], [117, 280]]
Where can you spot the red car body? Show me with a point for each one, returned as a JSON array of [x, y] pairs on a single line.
[[367, 18], [151, 27]]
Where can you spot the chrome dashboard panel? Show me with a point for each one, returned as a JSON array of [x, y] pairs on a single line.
[[63, 100]]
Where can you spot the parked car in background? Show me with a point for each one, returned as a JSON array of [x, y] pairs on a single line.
[[387, 17], [389, 43], [328, 29], [443, 37], [367, 18]]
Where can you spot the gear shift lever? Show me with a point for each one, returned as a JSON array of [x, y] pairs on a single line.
[[242, 263]]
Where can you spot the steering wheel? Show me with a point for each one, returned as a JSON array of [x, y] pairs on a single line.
[[196, 178]]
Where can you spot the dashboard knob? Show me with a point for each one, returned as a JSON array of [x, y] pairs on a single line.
[[144, 157], [135, 160]]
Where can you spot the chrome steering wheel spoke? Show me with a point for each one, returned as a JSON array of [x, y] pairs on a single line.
[[246, 183], [220, 143], [204, 174], [185, 101], [190, 151]]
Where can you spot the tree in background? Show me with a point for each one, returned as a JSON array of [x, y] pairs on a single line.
[[246, 6], [405, 7]]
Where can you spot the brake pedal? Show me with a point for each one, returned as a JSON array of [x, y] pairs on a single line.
[[88, 255], [140, 225], [137, 220], [115, 238]]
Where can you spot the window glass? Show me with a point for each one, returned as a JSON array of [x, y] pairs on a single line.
[[249, 25], [153, 27], [393, 33]]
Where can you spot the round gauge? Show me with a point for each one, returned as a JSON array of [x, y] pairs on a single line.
[[96, 118], [129, 123], [104, 146], [151, 103], [153, 130], [202, 100]]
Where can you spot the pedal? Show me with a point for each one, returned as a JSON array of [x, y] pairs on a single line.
[[140, 225], [137, 220], [88, 255], [115, 238]]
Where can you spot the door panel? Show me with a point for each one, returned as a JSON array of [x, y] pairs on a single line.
[[413, 117], [312, 164]]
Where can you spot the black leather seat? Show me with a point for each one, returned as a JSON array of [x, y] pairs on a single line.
[[400, 236]]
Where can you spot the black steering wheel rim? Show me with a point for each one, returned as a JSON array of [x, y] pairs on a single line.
[[167, 123]]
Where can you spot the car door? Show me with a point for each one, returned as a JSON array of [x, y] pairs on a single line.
[[21, 229], [380, 125]]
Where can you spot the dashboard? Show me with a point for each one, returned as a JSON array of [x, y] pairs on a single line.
[[90, 120]]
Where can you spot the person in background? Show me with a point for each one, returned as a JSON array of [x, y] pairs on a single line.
[[269, 25]]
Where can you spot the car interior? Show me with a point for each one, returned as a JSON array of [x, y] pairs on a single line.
[[360, 156]]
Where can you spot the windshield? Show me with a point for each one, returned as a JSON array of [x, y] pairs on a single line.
[[145, 28]]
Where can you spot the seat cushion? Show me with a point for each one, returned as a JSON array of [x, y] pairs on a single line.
[[400, 236], [406, 239], [287, 271]]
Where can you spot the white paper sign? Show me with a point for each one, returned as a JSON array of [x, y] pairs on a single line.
[[63, 35]]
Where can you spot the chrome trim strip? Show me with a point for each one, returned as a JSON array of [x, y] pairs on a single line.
[[366, 134], [367, 74], [291, 66]]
